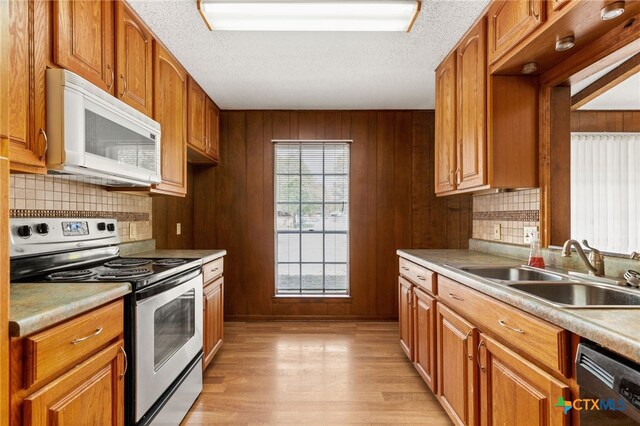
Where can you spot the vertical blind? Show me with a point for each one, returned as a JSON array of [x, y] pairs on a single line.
[[312, 217], [605, 190]]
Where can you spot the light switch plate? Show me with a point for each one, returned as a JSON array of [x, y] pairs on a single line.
[[178, 228], [528, 233], [132, 231], [497, 231]]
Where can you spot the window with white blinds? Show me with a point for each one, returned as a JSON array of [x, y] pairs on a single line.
[[312, 218], [605, 190]]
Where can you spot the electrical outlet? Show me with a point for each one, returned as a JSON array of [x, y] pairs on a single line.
[[497, 231], [528, 233], [178, 228], [132, 231]]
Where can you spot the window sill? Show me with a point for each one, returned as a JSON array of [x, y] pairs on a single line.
[[311, 298]]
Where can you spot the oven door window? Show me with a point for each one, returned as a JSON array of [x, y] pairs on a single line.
[[174, 325]]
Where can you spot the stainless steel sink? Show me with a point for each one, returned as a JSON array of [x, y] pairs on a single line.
[[512, 273], [581, 295]]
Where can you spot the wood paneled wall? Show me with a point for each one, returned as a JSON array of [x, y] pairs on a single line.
[[168, 212], [605, 121], [392, 206]]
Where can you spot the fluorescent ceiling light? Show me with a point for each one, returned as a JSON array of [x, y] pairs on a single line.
[[309, 15]]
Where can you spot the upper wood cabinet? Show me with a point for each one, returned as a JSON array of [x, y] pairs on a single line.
[[197, 133], [515, 392], [170, 110], [510, 21], [425, 337], [83, 40], [28, 50], [471, 114], [457, 367], [134, 59], [405, 316], [213, 131], [445, 143]]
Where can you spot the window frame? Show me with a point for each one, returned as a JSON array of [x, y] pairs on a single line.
[[323, 293]]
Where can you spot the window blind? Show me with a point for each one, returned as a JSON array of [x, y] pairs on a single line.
[[312, 218], [605, 190]]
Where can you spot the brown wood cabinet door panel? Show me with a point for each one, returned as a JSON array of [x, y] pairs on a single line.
[[424, 341], [213, 320], [197, 133], [83, 34], [405, 312], [170, 110], [134, 58], [445, 143], [457, 368], [91, 393], [510, 21], [471, 115], [515, 392], [212, 149], [26, 86]]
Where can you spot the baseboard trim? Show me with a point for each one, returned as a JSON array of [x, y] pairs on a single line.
[[251, 318]]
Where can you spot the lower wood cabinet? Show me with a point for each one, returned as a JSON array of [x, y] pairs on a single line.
[[91, 394], [425, 337], [457, 366], [513, 391], [405, 314], [213, 305]]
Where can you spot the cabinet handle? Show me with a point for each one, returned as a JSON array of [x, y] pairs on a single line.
[[466, 338], [404, 268], [113, 77], [450, 177], [453, 296], [479, 362], [533, 10], [421, 278], [458, 179], [124, 85], [504, 324], [82, 339], [126, 362], [46, 144]]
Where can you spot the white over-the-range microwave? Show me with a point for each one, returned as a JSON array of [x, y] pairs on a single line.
[[96, 135]]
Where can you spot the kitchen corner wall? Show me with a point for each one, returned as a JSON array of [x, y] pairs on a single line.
[[511, 210], [69, 196]]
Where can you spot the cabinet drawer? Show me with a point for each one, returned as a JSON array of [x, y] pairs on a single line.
[[212, 269], [65, 345], [526, 333], [418, 275]]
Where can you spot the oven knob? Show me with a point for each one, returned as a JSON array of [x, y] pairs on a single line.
[[111, 227], [102, 226], [24, 231], [42, 228]]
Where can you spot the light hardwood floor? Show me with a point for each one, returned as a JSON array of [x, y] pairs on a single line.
[[303, 373]]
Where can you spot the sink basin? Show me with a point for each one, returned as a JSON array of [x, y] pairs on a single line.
[[518, 273], [578, 295]]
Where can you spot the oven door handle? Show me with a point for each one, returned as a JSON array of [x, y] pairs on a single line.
[[148, 292]]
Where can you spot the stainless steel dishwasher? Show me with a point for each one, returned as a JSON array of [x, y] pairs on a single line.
[[609, 388]]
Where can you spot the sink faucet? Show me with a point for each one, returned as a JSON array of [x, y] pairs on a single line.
[[595, 262]]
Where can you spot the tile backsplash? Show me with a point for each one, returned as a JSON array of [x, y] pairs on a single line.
[[69, 196], [512, 210]]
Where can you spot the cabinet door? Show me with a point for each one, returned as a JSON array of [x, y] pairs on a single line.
[[515, 392], [405, 316], [84, 41], [213, 319], [445, 144], [213, 131], [510, 21], [471, 116], [27, 47], [424, 341], [134, 59], [197, 134], [91, 393], [457, 367], [170, 110]]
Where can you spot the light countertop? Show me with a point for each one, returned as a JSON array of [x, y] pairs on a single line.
[[37, 306], [616, 329], [205, 255]]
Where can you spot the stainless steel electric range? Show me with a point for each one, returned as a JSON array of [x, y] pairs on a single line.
[[163, 314]]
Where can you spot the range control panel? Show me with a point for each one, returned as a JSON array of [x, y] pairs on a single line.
[[31, 236]]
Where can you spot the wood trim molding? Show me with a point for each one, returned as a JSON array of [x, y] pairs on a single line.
[[630, 67]]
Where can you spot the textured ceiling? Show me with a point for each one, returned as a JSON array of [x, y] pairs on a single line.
[[288, 70]]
